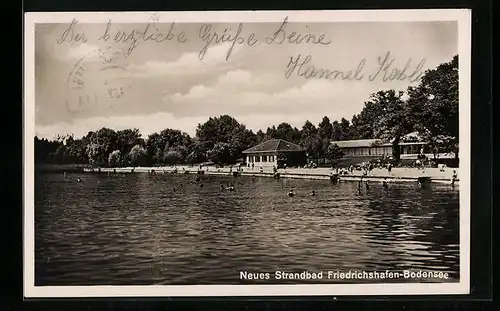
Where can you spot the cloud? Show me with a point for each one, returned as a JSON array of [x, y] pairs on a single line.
[[241, 93], [147, 124], [190, 63], [80, 50]]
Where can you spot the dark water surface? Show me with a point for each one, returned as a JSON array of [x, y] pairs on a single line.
[[133, 229]]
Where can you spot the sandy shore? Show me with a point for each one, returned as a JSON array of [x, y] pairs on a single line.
[[401, 174]]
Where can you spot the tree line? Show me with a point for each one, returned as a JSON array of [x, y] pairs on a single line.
[[430, 108]]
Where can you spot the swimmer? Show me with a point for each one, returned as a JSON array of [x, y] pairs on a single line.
[[253, 178], [78, 179], [173, 189], [384, 184], [313, 193], [200, 185], [454, 178], [291, 193], [222, 187]]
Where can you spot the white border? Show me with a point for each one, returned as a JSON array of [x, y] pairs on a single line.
[[462, 16]]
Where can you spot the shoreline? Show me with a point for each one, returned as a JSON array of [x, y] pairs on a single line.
[[397, 174]]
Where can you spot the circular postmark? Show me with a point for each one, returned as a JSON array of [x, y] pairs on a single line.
[[96, 81]]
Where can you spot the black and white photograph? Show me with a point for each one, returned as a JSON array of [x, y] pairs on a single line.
[[239, 153]]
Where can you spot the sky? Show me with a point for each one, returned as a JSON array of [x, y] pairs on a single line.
[[156, 85]]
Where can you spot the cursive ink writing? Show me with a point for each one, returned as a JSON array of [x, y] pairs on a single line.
[[390, 72], [214, 37], [71, 35], [386, 71], [281, 36], [136, 36], [298, 65]]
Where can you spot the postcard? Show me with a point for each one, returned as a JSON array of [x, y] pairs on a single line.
[[247, 153]]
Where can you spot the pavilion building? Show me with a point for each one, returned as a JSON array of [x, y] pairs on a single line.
[[275, 152], [411, 145]]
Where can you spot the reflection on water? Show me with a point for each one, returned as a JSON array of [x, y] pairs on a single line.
[[134, 229]]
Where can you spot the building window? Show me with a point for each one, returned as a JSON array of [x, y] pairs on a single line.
[[257, 158], [264, 158]]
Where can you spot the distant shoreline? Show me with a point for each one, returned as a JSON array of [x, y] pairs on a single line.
[[396, 174]]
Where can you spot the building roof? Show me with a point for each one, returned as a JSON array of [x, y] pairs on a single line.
[[408, 139], [274, 145], [358, 143]]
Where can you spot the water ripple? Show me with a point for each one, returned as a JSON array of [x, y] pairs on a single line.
[[134, 229]]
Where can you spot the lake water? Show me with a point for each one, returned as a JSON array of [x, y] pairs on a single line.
[[133, 229]]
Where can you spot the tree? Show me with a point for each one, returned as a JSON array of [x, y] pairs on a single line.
[[101, 144], [126, 139], [334, 154], [173, 156], [76, 151], [196, 153], [395, 120], [434, 104], [94, 154], [226, 130], [308, 135], [325, 128], [286, 132], [220, 153], [364, 123], [137, 156], [341, 130], [114, 159], [260, 136]]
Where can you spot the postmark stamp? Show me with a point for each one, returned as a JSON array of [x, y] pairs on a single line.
[[95, 81]]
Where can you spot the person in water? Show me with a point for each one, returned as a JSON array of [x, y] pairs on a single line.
[[291, 193], [222, 187], [420, 184], [454, 178], [313, 193], [384, 184], [78, 179], [173, 189]]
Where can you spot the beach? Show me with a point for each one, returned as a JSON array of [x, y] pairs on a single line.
[[396, 174]]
